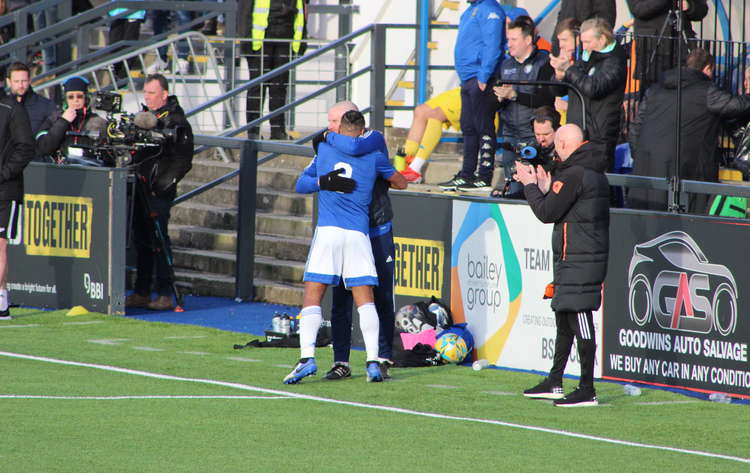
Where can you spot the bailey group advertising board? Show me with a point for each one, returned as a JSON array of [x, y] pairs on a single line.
[[676, 302], [501, 262]]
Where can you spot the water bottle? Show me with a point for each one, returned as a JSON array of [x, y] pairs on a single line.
[[285, 324], [631, 390], [276, 323], [479, 365], [720, 397]]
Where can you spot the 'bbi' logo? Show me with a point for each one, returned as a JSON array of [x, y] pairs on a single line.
[[671, 279]]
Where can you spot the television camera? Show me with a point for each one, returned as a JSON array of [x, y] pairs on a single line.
[[120, 141]]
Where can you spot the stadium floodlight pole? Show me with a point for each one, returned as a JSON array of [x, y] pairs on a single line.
[[674, 204]]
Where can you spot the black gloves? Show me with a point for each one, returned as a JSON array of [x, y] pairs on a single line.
[[317, 139], [333, 182]]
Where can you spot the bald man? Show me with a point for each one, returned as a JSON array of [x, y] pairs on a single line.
[[381, 240], [575, 197]]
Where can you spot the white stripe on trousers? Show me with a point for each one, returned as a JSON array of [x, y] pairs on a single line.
[[583, 326]]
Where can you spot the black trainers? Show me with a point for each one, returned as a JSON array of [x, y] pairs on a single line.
[[339, 371], [581, 397], [385, 368], [475, 185], [5, 315], [452, 184], [545, 390]]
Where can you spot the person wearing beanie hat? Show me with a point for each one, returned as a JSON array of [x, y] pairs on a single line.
[[75, 130]]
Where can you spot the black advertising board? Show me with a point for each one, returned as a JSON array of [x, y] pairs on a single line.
[[422, 236], [70, 247], [676, 302]]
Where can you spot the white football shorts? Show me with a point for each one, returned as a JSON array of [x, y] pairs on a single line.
[[337, 253]]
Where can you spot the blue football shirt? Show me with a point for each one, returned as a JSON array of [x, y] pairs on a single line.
[[349, 211]]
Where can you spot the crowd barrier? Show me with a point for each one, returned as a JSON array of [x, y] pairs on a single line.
[[672, 312], [70, 245]]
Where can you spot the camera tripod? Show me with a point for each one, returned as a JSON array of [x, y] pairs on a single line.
[[674, 19], [161, 249]]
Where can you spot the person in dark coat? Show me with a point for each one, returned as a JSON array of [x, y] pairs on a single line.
[[17, 150], [649, 18], [159, 171], [583, 10], [575, 197], [55, 141], [39, 108], [652, 133], [600, 75]]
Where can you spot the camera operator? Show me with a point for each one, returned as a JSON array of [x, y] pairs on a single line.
[[76, 129], [545, 122], [159, 170]]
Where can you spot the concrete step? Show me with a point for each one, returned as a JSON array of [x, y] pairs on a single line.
[[267, 200], [205, 215], [224, 263], [272, 246], [201, 284], [279, 293], [288, 248], [284, 225], [441, 167], [191, 236], [283, 179], [206, 170]]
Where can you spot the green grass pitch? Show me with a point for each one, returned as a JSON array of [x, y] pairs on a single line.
[[133, 396]]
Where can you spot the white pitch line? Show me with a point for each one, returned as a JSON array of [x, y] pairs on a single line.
[[398, 410], [88, 322], [120, 398], [239, 358], [183, 337], [19, 326], [148, 349]]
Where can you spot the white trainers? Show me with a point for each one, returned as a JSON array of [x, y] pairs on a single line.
[[158, 65]]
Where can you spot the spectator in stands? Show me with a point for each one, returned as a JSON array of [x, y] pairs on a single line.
[[575, 197], [443, 110], [600, 75], [546, 123], [38, 108], [55, 141], [582, 10], [478, 49], [159, 171], [17, 150], [656, 35], [381, 242], [567, 34], [653, 132], [263, 20], [427, 124], [125, 29], [517, 102]]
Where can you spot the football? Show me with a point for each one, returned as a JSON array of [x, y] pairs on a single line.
[[451, 348]]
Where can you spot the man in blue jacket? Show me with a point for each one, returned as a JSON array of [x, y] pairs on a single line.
[[480, 43]]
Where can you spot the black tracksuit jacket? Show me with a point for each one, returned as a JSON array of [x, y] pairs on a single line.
[[578, 204]]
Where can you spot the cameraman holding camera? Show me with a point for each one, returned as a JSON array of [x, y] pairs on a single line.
[[158, 171], [77, 129]]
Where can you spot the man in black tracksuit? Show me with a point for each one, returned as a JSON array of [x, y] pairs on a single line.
[[575, 197], [16, 151]]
